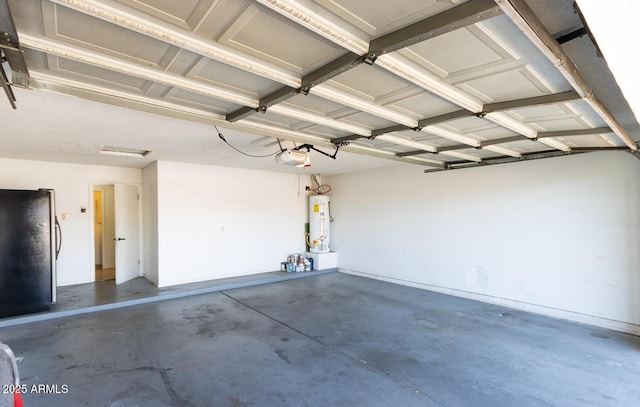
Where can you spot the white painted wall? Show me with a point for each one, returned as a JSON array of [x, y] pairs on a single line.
[[72, 184], [150, 221], [218, 222], [557, 236]]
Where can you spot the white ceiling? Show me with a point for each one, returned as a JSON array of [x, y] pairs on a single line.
[[157, 75]]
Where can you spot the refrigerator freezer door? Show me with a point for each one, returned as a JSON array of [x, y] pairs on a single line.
[[25, 252]]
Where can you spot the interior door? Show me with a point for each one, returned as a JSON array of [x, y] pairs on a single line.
[[127, 232]]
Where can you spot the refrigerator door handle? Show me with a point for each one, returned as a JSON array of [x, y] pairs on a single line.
[[58, 238]]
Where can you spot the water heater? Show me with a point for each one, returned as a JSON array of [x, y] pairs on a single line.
[[319, 224]]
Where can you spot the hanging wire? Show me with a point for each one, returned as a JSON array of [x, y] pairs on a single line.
[[321, 189], [330, 217], [247, 154]]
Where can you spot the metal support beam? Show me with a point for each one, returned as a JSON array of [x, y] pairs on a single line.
[[456, 147], [510, 139], [473, 11], [458, 114], [455, 165], [572, 35], [277, 97], [263, 104], [532, 101], [374, 133], [390, 129], [421, 123], [444, 149], [571, 133], [499, 106], [330, 70], [466, 146], [240, 114], [590, 149], [503, 140], [410, 153]]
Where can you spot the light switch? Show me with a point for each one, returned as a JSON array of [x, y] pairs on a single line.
[[65, 216]]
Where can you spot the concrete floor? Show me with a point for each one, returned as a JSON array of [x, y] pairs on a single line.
[[106, 295], [325, 340]]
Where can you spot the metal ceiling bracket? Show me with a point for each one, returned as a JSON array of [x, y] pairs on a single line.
[[309, 147], [9, 47], [370, 58], [11, 53], [7, 88], [345, 139]]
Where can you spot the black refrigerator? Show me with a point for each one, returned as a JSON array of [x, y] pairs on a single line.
[[30, 241]]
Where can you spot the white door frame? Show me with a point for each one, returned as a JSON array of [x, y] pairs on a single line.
[[92, 268]]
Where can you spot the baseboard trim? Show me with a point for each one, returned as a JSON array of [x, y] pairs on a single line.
[[601, 322]]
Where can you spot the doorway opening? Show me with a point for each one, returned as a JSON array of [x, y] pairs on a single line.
[[104, 230]]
